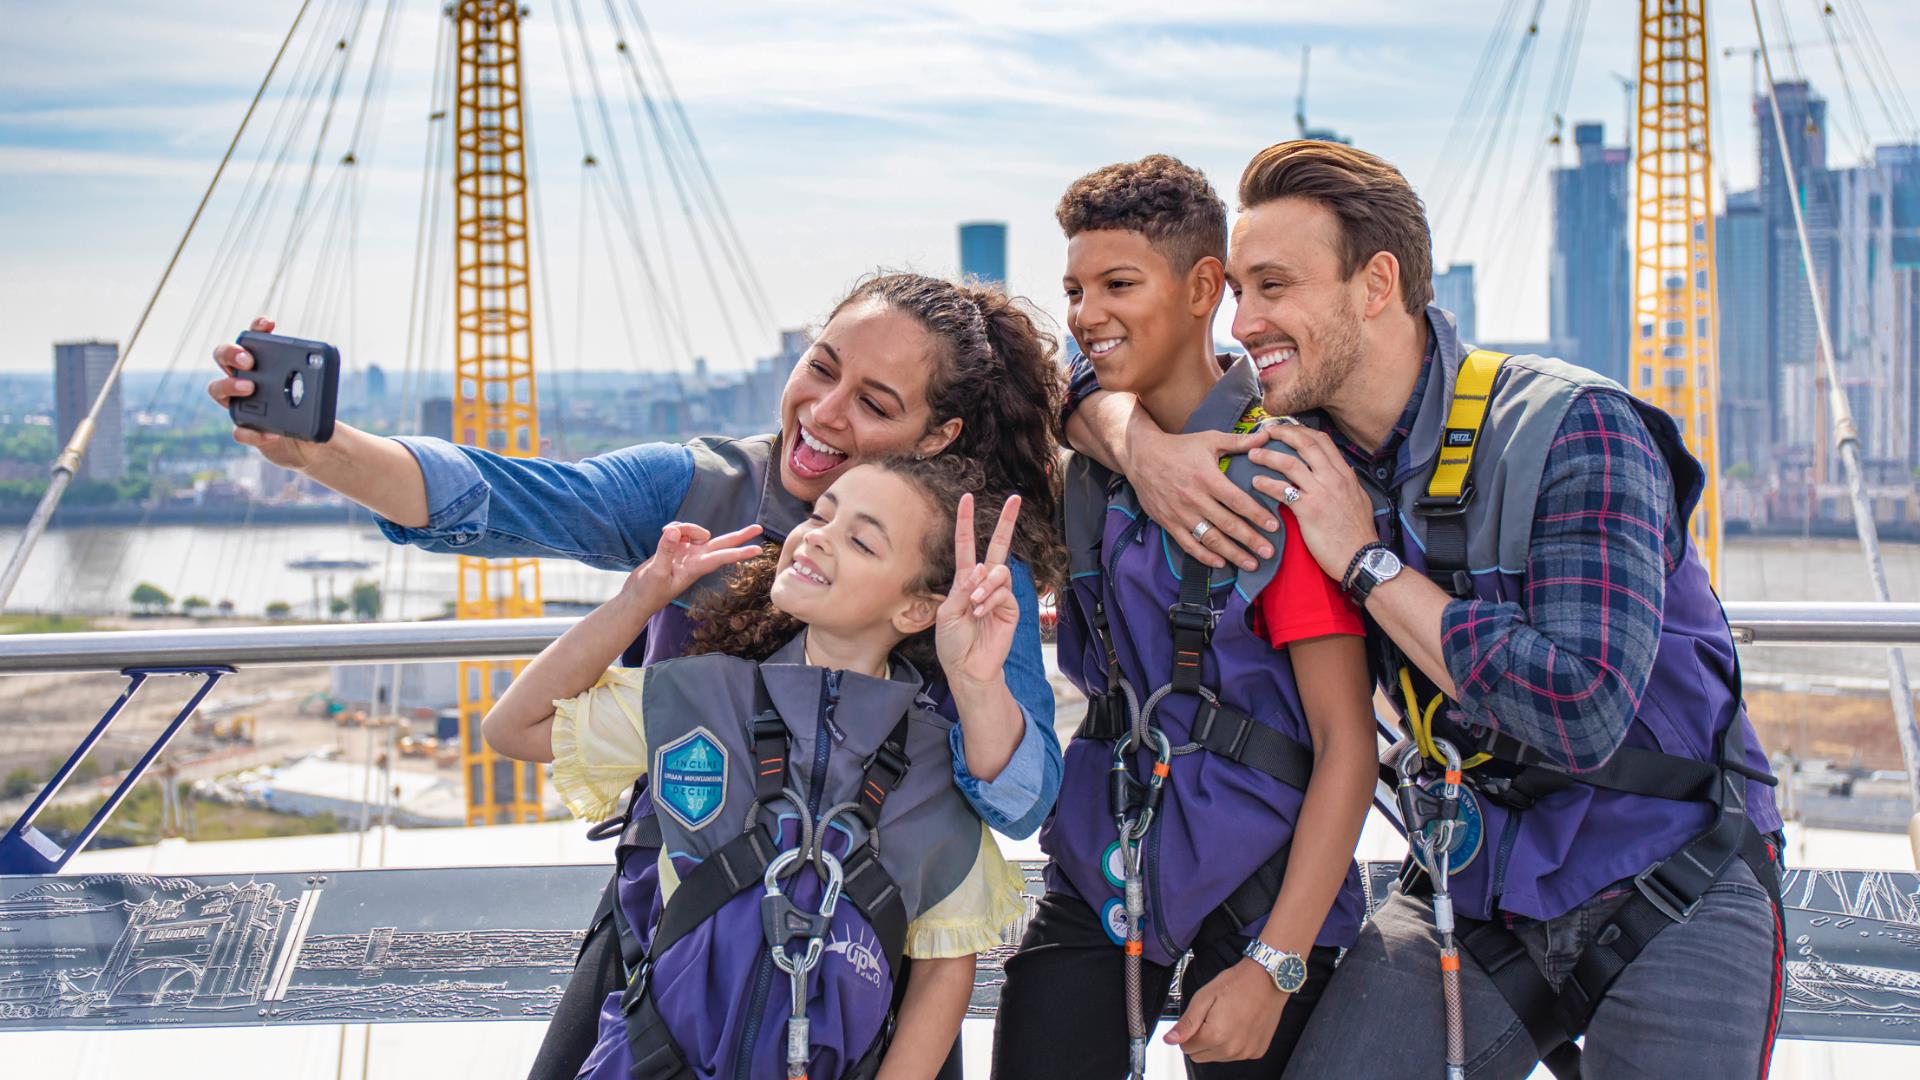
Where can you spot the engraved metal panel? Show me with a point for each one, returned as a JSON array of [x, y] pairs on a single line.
[[496, 943]]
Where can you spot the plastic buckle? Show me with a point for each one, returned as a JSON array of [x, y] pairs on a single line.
[[1200, 617], [636, 987], [1445, 505], [1668, 902], [892, 761]]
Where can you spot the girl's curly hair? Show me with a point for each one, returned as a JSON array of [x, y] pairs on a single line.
[[741, 620]]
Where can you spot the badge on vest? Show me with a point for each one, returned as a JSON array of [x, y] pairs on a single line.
[[690, 778]]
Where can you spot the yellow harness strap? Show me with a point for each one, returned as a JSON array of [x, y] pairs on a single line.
[[1472, 392]]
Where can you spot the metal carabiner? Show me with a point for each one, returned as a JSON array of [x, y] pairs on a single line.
[[1134, 803], [781, 920]]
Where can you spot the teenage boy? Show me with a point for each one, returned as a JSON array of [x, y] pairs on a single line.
[[1214, 794], [1516, 529]]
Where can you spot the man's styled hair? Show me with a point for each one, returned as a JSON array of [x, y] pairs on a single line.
[[1374, 204], [1158, 197]]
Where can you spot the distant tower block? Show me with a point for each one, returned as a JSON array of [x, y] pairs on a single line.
[[80, 369], [983, 251]]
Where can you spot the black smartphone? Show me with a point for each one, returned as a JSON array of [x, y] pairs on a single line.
[[295, 385]]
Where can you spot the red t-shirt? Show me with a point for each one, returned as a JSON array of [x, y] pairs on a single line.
[[1301, 602]]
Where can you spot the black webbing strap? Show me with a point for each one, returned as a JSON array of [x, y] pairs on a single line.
[[865, 882], [1500, 954], [739, 864], [1446, 544], [885, 770], [650, 1046], [1665, 893], [1229, 733], [1254, 898], [771, 744], [1192, 618], [1106, 717]]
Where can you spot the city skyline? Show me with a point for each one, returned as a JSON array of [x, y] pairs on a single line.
[[885, 128]]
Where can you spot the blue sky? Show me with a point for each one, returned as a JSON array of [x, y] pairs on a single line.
[[845, 136]]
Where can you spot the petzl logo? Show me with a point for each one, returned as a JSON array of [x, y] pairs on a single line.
[[690, 778], [1459, 437]]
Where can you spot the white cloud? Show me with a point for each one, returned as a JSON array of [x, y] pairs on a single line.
[[844, 135]]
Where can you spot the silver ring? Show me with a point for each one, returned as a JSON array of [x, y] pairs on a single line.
[[1201, 530], [1291, 495]]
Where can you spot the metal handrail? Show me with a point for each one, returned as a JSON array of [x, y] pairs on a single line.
[[1857, 625]]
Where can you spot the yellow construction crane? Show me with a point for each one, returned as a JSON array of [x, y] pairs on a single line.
[[1675, 363], [494, 405]]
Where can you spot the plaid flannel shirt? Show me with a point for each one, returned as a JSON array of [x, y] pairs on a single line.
[[1563, 670]]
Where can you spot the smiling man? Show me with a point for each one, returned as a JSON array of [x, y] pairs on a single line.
[[1516, 530]]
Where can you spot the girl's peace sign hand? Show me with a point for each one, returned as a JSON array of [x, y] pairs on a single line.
[[686, 553], [974, 628]]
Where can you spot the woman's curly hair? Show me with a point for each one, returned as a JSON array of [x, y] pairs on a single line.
[[995, 371], [741, 619]]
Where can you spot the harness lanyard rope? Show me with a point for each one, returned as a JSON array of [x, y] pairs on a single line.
[[1134, 806], [1443, 509], [1432, 850]]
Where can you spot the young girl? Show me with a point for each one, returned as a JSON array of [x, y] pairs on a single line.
[[812, 832]]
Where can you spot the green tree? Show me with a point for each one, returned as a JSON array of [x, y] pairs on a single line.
[[151, 599], [279, 609], [19, 782], [194, 605], [366, 600], [1740, 471], [338, 606]]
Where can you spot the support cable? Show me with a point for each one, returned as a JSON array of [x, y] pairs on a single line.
[[675, 320], [1553, 125], [68, 462], [297, 226], [1847, 441], [1513, 88], [1863, 134], [673, 176], [719, 202], [1470, 103]]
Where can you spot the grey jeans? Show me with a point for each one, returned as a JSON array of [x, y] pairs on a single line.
[[1698, 1003]]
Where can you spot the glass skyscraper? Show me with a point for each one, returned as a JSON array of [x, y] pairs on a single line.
[[1592, 263], [983, 251]]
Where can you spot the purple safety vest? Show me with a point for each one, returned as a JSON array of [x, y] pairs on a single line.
[[1545, 860], [1219, 820]]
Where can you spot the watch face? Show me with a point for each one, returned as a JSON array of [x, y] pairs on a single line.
[[1381, 564], [1290, 974]]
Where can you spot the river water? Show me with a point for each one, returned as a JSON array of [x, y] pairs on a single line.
[[95, 569]]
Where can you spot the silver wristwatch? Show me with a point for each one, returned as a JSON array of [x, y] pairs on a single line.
[[1288, 970], [1376, 565]]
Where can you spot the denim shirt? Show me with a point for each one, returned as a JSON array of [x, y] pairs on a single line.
[[607, 512]]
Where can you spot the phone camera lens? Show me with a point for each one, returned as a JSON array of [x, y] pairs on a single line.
[[314, 360]]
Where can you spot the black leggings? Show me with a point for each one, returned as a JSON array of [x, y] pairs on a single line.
[[575, 1026], [1063, 1009]]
